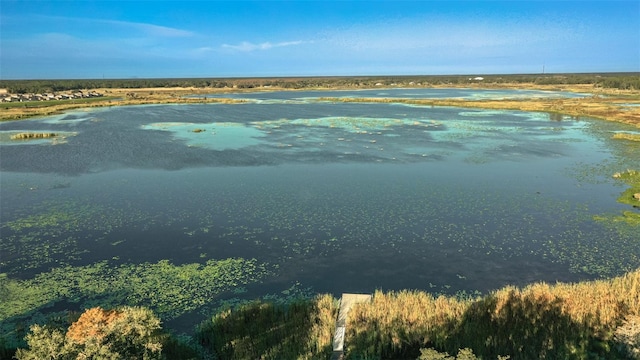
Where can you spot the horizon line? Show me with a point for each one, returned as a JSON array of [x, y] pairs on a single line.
[[328, 76]]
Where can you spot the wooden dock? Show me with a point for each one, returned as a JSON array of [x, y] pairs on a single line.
[[346, 302]]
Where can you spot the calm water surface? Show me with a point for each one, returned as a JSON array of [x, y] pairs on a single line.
[[403, 93], [333, 197]]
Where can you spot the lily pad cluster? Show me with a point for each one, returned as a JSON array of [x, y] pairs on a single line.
[[169, 290], [59, 232]]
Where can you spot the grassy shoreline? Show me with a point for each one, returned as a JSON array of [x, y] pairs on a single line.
[[588, 319], [605, 104], [597, 319]]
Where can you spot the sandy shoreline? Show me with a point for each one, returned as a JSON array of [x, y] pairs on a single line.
[[606, 104]]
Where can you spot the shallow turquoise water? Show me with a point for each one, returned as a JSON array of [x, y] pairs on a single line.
[[416, 93]]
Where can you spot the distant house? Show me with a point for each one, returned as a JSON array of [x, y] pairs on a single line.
[[478, 78], [47, 96]]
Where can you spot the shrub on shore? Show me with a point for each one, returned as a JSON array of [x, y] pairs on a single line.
[[129, 332]]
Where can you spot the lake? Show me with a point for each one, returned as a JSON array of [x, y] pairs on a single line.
[[308, 197]]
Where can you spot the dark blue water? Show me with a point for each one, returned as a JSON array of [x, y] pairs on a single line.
[[337, 197]]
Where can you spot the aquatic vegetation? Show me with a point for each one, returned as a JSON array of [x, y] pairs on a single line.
[[65, 217], [169, 290], [14, 137], [630, 196], [32, 135], [54, 232], [632, 179]]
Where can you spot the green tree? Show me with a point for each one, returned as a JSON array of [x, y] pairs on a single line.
[[126, 333]]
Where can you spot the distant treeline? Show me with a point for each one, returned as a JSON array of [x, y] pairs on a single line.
[[626, 81]]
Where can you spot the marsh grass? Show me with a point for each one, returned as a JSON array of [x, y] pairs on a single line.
[[562, 321], [301, 329], [596, 319], [24, 110], [627, 136], [32, 135]]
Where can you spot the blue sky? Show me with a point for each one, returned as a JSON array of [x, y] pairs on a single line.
[[124, 39]]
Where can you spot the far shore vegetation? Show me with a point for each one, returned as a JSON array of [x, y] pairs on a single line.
[[612, 92]]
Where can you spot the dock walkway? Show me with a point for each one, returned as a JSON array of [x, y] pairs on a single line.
[[346, 302]]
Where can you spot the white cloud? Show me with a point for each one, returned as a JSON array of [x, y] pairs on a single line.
[[94, 24], [247, 46], [203, 50], [151, 29]]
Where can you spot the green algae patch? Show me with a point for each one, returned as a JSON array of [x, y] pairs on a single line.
[[52, 232], [631, 196], [169, 290]]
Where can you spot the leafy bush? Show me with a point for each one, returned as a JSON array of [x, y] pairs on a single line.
[[129, 332]]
